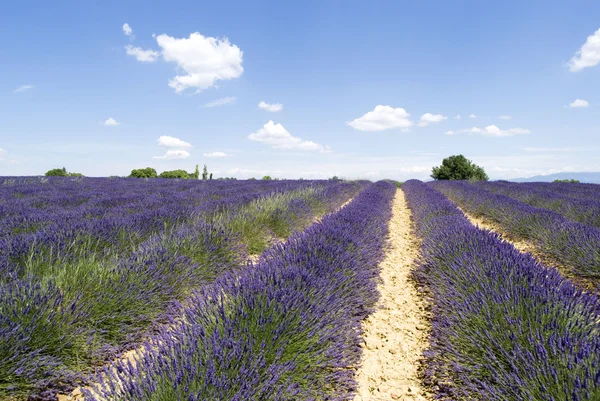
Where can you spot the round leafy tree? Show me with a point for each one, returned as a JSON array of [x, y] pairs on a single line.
[[458, 167]]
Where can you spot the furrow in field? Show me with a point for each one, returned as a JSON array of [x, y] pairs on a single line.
[[397, 333]]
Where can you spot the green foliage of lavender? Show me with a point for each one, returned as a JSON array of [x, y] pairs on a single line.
[[285, 329], [504, 326], [80, 284]]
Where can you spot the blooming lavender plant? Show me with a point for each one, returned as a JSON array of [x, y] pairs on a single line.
[[90, 267], [504, 326], [573, 244], [286, 329]]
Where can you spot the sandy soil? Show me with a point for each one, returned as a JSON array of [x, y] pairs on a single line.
[[397, 333]]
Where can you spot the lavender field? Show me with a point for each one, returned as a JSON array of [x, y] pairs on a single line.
[[157, 289]]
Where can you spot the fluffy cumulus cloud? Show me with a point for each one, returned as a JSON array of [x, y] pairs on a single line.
[[221, 102], [278, 137], [271, 107], [579, 103], [215, 154], [23, 88], [203, 60], [174, 154], [172, 142], [588, 55], [382, 118], [145, 56], [429, 118], [505, 117], [127, 29], [491, 130], [111, 122]]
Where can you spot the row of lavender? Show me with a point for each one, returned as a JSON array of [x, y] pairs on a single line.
[[571, 243], [544, 196], [63, 312], [57, 214], [287, 329], [505, 327]]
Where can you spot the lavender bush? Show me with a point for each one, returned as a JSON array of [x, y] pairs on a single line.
[[571, 243], [91, 266], [504, 326], [286, 329], [541, 195]]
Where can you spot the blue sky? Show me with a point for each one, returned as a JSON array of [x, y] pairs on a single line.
[[350, 88]]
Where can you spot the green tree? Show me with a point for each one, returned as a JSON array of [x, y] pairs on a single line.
[[182, 174], [458, 167], [196, 174], [571, 181], [147, 172], [210, 176], [267, 177], [57, 172], [205, 172]]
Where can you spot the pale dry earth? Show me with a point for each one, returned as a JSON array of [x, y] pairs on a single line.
[[397, 332]]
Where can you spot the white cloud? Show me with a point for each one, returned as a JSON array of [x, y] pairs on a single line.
[[23, 88], [588, 55], [457, 117], [560, 150], [2, 152], [172, 142], [173, 154], [491, 130], [279, 138], [472, 116], [204, 60], [270, 107], [111, 122], [215, 154], [145, 56], [127, 29], [429, 118], [505, 117], [247, 173], [221, 102], [382, 118], [579, 103]]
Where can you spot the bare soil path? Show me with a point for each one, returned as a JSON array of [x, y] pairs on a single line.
[[397, 333]]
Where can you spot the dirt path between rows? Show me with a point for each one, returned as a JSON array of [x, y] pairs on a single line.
[[397, 333]]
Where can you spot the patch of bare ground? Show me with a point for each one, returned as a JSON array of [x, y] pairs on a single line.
[[397, 332], [530, 248]]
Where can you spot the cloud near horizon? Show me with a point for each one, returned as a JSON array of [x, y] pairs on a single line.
[[172, 142], [215, 154], [273, 108], [174, 154], [491, 130], [382, 118], [579, 103], [429, 118], [278, 137]]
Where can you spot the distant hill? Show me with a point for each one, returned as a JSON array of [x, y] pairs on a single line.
[[592, 178]]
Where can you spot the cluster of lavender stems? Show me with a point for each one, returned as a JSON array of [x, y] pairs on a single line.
[[572, 244], [504, 326], [540, 194], [288, 328], [91, 267]]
